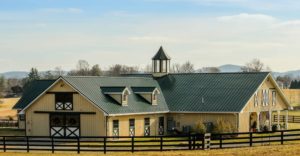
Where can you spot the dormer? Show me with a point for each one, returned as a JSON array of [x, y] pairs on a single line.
[[150, 94], [119, 94], [160, 63]]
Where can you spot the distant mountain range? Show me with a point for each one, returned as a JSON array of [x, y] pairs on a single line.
[[237, 68], [224, 68]]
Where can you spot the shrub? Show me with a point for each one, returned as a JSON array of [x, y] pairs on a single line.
[[10, 118], [223, 126], [200, 128]]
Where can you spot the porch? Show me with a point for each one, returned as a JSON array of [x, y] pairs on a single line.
[[263, 121]]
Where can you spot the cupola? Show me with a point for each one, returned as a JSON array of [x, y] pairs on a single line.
[[160, 63]]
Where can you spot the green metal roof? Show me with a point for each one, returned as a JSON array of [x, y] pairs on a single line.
[[195, 92], [108, 90], [209, 92], [34, 89], [161, 55], [143, 89], [90, 87]]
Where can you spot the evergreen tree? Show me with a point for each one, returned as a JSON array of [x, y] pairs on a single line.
[[292, 86], [33, 75], [95, 71]]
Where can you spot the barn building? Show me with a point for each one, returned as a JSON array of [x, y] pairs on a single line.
[[150, 104]]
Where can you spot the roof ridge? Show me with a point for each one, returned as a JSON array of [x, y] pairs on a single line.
[[123, 77], [220, 73]]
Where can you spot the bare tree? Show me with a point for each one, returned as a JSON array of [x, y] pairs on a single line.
[[255, 66], [118, 69], [187, 67], [284, 81], [58, 71], [83, 67], [210, 70], [147, 69]]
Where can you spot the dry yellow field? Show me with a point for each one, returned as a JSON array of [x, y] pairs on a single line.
[[6, 105], [279, 150]]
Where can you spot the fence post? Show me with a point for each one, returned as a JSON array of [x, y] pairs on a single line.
[[190, 142], [132, 144], [221, 141], [250, 139], [203, 142], [27, 143], [52, 144], [78, 145], [4, 144], [282, 137], [161, 143], [194, 142], [104, 145]]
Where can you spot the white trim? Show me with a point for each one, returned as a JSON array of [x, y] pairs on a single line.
[[191, 112], [277, 89], [22, 111], [93, 103], [61, 78], [140, 113]]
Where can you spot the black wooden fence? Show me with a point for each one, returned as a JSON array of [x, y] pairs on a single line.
[[149, 143], [291, 118], [8, 123]]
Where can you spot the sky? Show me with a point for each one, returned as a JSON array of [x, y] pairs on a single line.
[[57, 33]]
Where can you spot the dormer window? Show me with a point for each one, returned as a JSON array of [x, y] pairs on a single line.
[[119, 94], [63, 101], [150, 94]]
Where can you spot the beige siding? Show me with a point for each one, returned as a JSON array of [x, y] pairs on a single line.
[[38, 124], [192, 119], [250, 107], [293, 95], [139, 124]]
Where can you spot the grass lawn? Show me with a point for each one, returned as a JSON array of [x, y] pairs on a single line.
[[276, 150], [11, 132], [6, 105]]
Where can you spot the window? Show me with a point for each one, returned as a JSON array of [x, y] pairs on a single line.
[[161, 125], [265, 97], [125, 97], [147, 126], [64, 101], [255, 99], [22, 117], [131, 127], [115, 127], [274, 98]]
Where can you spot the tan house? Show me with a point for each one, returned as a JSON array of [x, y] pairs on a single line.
[[149, 104]]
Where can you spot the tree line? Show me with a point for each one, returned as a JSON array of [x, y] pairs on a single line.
[[83, 68]]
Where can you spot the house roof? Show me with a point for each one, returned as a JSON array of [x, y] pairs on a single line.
[[111, 89], [143, 89], [32, 91], [161, 55], [209, 92], [194, 92], [90, 88]]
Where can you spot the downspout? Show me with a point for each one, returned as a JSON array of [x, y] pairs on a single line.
[[106, 127]]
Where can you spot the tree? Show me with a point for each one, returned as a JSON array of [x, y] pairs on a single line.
[[187, 67], [33, 75], [49, 75], [285, 81], [118, 69], [83, 68], [96, 71], [2, 85], [210, 70], [255, 66], [58, 71]]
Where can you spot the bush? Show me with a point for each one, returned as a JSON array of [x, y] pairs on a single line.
[[223, 126], [200, 128]]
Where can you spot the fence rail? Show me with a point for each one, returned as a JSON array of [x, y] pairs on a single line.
[[8, 123], [149, 143], [291, 118]]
